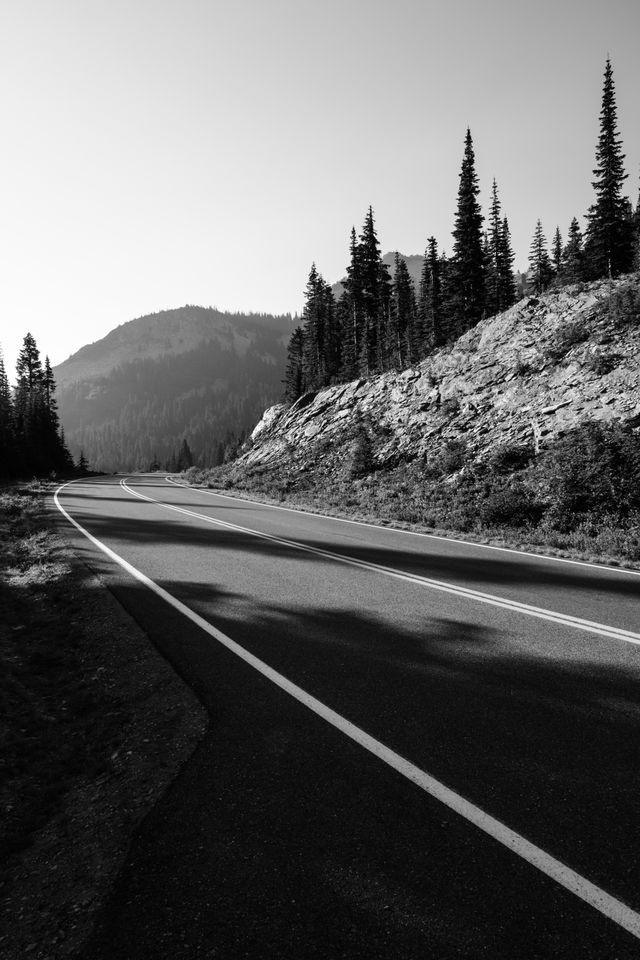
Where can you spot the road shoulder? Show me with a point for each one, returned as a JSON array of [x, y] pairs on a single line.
[[55, 888]]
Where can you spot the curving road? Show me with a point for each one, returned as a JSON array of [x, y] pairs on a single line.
[[418, 747]]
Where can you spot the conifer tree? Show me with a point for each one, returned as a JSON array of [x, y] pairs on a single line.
[[493, 256], [375, 293], [402, 347], [7, 452], [608, 249], [467, 265], [508, 291], [185, 457], [313, 327], [572, 255], [350, 313], [556, 253], [294, 376], [540, 271], [430, 315]]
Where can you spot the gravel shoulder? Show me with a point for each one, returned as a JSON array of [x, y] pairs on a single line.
[[52, 889]]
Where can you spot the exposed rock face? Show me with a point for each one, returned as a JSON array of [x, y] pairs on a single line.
[[524, 376]]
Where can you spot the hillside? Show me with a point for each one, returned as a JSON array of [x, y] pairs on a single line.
[[525, 431], [193, 373], [524, 376]]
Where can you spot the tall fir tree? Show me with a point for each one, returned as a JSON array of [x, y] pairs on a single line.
[[493, 256], [294, 375], [508, 291], [540, 271], [402, 332], [572, 255], [466, 293], [376, 294], [608, 248], [7, 452], [556, 254], [350, 313]]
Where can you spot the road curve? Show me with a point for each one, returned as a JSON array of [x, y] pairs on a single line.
[[509, 681]]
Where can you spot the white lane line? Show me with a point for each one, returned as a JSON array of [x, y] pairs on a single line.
[[582, 888], [576, 623], [409, 533]]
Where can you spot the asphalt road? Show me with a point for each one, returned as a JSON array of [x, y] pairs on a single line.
[[419, 748]]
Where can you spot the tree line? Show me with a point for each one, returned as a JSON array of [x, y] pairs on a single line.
[[382, 322], [31, 438]]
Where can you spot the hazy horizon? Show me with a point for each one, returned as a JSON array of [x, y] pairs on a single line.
[[161, 153]]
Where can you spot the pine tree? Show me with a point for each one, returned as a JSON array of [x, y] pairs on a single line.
[[572, 255], [376, 294], [467, 273], [540, 271], [7, 451], [556, 253], [294, 375], [508, 293], [82, 467], [493, 255], [609, 238], [313, 328], [185, 457], [402, 332], [350, 313]]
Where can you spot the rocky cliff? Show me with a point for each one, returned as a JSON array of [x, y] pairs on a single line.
[[522, 377]]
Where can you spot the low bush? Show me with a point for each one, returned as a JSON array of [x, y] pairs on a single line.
[[514, 506], [509, 457], [567, 336], [624, 305]]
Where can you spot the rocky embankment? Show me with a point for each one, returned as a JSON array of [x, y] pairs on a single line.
[[523, 377]]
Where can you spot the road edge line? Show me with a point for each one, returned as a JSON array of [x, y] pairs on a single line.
[[605, 904]]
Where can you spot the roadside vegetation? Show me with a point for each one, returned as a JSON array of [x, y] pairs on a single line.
[[54, 723], [578, 497]]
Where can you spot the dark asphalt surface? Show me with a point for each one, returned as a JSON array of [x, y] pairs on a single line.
[[281, 837]]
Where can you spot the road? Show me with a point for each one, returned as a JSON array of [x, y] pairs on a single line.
[[418, 747]]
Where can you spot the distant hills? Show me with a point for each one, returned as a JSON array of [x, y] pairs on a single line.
[[193, 373]]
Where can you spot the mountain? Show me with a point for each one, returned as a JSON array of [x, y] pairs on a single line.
[[519, 380], [414, 266], [192, 373]]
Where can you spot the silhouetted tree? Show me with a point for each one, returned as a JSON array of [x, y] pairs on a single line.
[[294, 375], [572, 255], [608, 248], [540, 271], [467, 264]]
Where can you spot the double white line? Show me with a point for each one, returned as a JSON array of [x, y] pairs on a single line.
[[607, 905], [577, 623]]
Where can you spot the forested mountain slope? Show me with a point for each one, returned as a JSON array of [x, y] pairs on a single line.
[[192, 373]]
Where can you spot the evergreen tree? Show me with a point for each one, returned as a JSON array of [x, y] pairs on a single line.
[[294, 375], [608, 246], [493, 253], [467, 273], [350, 313], [376, 294], [430, 317], [508, 292], [540, 271], [185, 457], [572, 255], [7, 452], [314, 331], [402, 332], [556, 253], [82, 466]]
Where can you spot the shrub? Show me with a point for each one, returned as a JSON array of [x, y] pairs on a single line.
[[593, 470], [450, 406], [568, 335], [509, 457], [515, 506], [624, 305], [602, 363]]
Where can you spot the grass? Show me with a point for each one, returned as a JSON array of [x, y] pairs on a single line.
[[545, 504], [54, 723]]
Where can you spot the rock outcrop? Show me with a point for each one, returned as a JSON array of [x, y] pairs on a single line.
[[524, 377]]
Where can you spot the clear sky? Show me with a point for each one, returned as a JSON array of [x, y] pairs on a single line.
[[162, 152]]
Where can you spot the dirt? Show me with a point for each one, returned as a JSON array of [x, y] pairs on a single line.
[[52, 891]]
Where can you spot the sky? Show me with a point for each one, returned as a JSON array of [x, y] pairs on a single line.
[[162, 152]]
